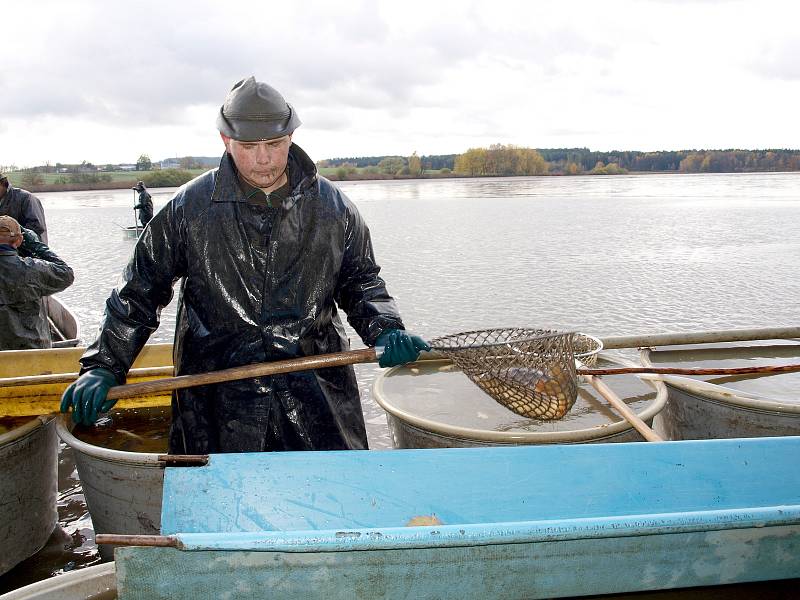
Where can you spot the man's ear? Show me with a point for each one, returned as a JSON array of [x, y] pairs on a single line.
[[225, 140]]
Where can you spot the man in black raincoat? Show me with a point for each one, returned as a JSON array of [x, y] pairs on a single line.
[[29, 271], [23, 207], [267, 252], [145, 206]]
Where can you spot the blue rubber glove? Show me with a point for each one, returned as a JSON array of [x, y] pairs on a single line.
[[87, 395], [400, 347]]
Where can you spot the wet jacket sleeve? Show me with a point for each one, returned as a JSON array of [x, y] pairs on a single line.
[[32, 214], [46, 273], [360, 291], [133, 310]]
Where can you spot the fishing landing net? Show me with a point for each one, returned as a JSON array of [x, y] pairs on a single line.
[[532, 372]]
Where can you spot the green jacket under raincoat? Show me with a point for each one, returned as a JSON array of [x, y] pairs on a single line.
[[258, 284]]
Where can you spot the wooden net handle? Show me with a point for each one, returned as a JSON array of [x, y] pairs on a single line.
[[322, 361]]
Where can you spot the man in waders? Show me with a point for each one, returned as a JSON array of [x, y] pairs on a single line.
[[145, 206], [268, 252]]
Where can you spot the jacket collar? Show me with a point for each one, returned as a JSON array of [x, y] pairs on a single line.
[[302, 173]]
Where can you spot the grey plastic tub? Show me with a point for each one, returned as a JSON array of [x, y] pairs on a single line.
[[28, 489], [92, 583], [411, 428], [122, 489], [699, 409]]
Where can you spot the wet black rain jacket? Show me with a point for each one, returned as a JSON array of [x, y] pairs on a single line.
[[258, 284], [25, 278], [26, 209], [145, 207]]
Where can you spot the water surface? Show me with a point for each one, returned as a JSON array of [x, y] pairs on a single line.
[[603, 255]]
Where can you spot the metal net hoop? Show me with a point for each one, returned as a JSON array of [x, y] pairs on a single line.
[[531, 372], [586, 348]]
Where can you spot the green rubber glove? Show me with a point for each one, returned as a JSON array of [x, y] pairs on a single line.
[[399, 347], [87, 396]]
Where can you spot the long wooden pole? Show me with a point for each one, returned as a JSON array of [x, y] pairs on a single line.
[[622, 408], [70, 377], [368, 355], [768, 369], [244, 372], [700, 337], [322, 361], [163, 541]]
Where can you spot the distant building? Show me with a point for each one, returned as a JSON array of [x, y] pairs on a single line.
[[126, 167], [170, 163]]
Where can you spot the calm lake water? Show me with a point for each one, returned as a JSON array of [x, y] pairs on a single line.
[[603, 255]]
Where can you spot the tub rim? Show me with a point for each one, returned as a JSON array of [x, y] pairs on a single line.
[[25, 429], [64, 426], [520, 437], [95, 579], [719, 393]]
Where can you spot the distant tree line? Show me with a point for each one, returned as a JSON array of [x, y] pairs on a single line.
[[577, 160], [511, 160], [434, 162], [501, 160]]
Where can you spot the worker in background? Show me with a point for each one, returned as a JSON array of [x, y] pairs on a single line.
[[145, 205], [23, 207], [29, 271]]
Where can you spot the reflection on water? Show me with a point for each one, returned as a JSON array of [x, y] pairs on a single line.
[[604, 255]]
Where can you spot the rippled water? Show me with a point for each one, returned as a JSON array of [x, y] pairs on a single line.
[[604, 255]]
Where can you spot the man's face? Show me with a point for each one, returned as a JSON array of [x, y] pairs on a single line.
[[260, 163]]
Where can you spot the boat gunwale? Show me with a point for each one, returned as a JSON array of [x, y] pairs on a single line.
[[490, 534], [65, 342]]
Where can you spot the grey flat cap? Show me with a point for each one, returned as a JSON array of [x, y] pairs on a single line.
[[256, 111]]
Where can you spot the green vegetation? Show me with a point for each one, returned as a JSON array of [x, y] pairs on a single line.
[[497, 160], [168, 177], [143, 163], [384, 167], [609, 169], [501, 160], [572, 161], [36, 181]]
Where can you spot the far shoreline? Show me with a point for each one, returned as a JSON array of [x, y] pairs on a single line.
[[121, 185]]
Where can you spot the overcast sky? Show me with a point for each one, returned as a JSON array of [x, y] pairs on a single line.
[[108, 81]]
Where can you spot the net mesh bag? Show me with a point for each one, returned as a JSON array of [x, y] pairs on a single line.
[[531, 372]]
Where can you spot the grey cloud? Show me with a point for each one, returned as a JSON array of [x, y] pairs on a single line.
[[779, 61], [323, 119], [112, 67]]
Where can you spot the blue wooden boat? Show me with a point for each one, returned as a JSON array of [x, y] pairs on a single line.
[[503, 522]]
